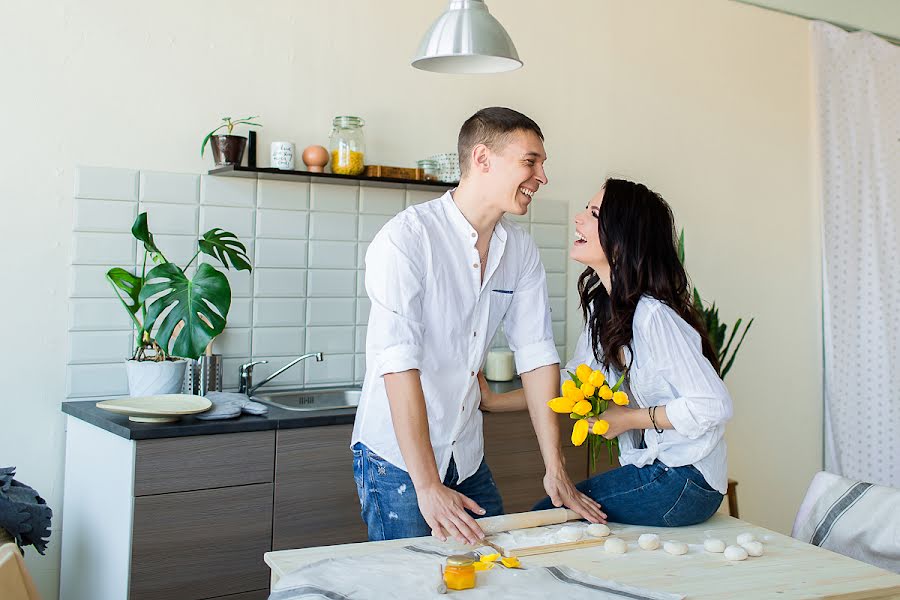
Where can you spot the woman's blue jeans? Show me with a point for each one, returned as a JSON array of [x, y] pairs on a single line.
[[653, 495]]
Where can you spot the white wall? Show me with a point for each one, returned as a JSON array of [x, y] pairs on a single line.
[[707, 101]]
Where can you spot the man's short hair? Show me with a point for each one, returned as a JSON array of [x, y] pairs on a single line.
[[492, 127]]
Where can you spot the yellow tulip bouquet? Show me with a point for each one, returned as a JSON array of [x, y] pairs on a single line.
[[587, 395]]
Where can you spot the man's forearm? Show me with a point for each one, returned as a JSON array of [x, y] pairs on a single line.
[[541, 385], [410, 419]]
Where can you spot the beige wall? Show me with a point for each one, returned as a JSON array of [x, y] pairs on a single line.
[[707, 101]]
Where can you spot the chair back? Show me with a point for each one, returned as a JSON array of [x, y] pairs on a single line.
[[15, 582]]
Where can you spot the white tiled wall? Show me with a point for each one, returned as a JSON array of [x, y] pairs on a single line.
[[307, 242]]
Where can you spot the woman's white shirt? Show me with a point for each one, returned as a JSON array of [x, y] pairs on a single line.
[[668, 369]]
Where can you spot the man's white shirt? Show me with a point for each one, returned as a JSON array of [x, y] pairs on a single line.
[[432, 312]]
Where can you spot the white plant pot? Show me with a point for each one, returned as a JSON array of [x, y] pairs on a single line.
[[148, 378]]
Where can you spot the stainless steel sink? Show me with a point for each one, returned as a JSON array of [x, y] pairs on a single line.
[[312, 399]]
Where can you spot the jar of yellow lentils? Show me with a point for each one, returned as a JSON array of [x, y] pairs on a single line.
[[347, 145]]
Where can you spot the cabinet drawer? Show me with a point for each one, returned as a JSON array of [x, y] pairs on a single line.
[[316, 502], [201, 544], [203, 462]]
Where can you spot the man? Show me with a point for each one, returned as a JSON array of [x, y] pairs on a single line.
[[441, 276]]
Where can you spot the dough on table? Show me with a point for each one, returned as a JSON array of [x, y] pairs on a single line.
[[745, 538], [753, 548], [569, 533], [714, 545], [615, 546], [735, 553], [676, 548], [648, 541], [598, 530]]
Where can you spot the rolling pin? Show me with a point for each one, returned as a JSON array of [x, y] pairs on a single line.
[[525, 520]]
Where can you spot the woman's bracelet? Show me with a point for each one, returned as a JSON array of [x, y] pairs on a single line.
[[652, 412]]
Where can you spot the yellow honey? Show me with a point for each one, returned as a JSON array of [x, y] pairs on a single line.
[[459, 574]]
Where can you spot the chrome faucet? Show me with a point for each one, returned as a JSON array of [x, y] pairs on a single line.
[[246, 373]]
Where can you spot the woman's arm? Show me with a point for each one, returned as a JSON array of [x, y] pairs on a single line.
[[506, 402]]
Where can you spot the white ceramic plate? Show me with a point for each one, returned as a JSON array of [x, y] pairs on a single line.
[[157, 409]]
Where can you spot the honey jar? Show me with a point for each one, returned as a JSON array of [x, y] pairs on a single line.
[[459, 574]]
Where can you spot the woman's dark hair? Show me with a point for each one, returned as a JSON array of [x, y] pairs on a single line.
[[637, 233]]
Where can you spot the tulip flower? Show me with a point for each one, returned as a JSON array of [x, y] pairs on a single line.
[[620, 398], [579, 432]]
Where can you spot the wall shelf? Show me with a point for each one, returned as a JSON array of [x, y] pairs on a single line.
[[270, 173]]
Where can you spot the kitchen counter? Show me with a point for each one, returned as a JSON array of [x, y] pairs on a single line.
[[277, 418]]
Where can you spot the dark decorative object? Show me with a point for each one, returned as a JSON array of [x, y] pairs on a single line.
[[251, 148], [23, 513]]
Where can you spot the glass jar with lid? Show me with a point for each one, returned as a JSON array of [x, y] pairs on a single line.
[[347, 145], [428, 169]]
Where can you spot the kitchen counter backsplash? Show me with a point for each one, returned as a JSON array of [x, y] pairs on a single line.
[[307, 243]]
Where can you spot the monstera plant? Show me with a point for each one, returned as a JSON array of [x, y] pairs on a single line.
[[176, 316]]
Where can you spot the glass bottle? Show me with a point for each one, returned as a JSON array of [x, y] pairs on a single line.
[[347, 145]]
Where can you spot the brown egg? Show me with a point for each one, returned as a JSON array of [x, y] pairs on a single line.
[[315, 158]]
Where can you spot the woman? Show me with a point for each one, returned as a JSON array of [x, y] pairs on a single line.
[[639, 320]]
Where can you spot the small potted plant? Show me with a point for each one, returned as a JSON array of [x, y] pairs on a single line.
[[176, 317], [228, 149]]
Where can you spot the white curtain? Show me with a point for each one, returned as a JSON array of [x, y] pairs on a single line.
[[856, 79]]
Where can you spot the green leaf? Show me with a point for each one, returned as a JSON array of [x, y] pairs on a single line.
[[724, 350], [200, 304], [575, 417], [738, 347], [224, 245], [621, 380], [129, 284], [681, 247], [141, 231]]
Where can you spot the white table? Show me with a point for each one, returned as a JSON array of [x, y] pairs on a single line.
[[789, 570]]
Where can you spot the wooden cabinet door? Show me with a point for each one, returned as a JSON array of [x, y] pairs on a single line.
[[513, 455], [201, 544], [316, 503]]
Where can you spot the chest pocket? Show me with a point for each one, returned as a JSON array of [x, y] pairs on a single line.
[[501, 298]]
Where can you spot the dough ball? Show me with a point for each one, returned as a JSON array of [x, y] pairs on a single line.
[[648, 541], [714, 545], [745, 538], [753, 548], [676, 548], [615, 546], [735, 553], [569, 533], [598, 530]]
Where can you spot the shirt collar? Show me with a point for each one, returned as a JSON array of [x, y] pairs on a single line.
[[461, 224]]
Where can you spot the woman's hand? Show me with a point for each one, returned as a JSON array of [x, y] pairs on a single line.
[[620, 419]]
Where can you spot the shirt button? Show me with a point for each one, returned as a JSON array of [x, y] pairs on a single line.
[[472, 373], [474, 334], [475, 265], [474, 234]]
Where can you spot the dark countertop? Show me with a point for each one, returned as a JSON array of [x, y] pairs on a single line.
[[277, 418]]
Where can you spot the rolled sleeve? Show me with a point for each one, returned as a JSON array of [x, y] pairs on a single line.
[[527, 323], [701, 400], [395, 284]]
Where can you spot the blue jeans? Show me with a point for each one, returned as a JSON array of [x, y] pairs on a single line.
[[653, 495], [388, 499]]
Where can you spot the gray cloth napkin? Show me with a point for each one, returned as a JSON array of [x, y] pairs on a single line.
[[227, 405], [23, 513]]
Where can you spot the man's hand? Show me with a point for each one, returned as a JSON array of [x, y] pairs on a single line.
[[563, 492], [445, 512]]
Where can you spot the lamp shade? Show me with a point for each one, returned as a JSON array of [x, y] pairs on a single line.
[[467, 39]]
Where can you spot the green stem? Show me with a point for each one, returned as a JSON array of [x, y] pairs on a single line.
[[196, 254]]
